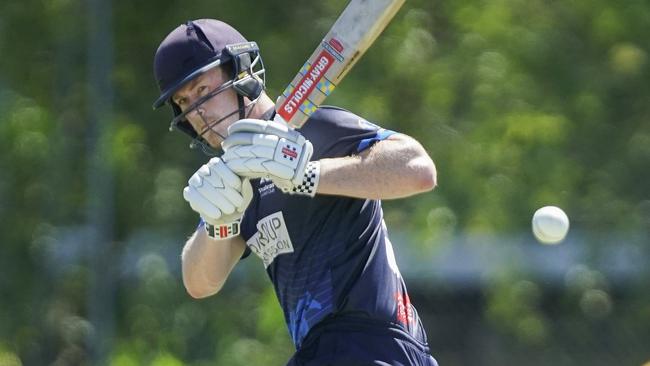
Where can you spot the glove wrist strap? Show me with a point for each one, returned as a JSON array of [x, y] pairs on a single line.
[[222, 231], [310, 180]]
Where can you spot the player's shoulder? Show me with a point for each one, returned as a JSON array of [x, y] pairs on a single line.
[[332, 116], [330, 112]]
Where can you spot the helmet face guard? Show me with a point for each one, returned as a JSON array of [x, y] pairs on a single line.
[[247, 79], [192, 49]]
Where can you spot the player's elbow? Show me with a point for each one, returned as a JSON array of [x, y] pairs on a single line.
[[424, 175], [197, 283], [429, 179], [421, 171], [198, 294], [200, 290]]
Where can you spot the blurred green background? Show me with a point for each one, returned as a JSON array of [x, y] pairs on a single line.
[[521, 104]]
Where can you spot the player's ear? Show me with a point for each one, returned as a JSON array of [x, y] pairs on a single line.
[[245, 82], [249, 86]]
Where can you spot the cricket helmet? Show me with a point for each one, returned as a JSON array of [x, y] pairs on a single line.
[[196, 47]]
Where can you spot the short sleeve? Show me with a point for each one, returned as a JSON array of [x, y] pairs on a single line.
[[335, 132]]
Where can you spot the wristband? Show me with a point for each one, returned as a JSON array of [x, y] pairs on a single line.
[[222, 231]]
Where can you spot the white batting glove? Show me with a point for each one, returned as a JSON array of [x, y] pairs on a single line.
[[267, 149], [220, 197]]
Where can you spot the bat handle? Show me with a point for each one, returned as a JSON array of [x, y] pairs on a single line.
[[278, 118]]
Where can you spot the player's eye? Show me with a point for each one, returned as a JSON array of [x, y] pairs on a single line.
[[202, 89], [181, 101]]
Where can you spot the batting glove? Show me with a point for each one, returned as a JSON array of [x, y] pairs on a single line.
[[267, 149], [220, 197]]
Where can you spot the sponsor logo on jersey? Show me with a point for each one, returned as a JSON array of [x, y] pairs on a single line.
[[271, 239], [404, 308], [266, 187]]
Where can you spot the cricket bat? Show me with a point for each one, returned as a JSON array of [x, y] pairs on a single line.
[[348, 39]]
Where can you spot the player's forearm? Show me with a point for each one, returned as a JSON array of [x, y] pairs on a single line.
[[207, 263], [394, 168]]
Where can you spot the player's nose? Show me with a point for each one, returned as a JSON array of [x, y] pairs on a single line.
[[197, 113]]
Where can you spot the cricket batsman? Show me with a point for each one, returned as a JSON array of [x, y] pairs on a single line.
[[306, 201]]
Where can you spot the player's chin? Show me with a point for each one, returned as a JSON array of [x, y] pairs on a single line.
[[215, 142], [213, 137]]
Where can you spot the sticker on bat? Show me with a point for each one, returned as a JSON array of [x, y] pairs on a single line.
[[335, 48], [306, 85], [336, 44]]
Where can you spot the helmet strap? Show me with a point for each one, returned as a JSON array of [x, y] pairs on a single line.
[[242, 106]]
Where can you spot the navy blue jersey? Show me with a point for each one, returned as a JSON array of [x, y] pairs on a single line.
[[329, 254]]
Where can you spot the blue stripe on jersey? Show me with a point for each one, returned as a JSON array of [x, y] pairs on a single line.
[[381, 135], [310, 309]]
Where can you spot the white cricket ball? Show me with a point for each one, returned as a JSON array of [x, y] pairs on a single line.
[[550, 224]]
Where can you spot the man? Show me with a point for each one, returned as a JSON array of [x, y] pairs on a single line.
[[305, 201]]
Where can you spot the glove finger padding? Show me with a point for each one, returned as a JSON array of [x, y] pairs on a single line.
[[264, 127], [258, 166], [250, 138], [228, 226], [286, 160], [217, 193], [200, 204], [249, 151], [219, 169], [226, 199]]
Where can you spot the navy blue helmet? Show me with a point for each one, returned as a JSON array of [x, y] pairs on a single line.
[[196, 47]]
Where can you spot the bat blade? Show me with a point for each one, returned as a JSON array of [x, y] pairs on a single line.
[[352, 34]]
